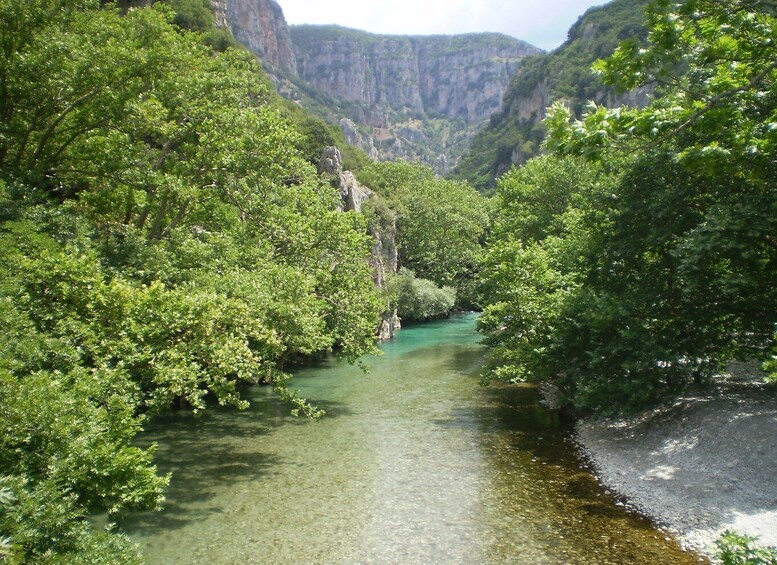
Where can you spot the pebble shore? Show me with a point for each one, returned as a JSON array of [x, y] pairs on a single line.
[[705, 464]]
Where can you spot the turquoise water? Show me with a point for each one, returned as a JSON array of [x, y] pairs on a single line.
[[414, 463]]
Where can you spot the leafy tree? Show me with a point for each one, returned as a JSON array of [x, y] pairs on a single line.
[[676, 275], [421, 299], [440, 223], [162, 242], [538, 255]]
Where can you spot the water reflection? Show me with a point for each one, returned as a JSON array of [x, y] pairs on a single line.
[[416, 463]]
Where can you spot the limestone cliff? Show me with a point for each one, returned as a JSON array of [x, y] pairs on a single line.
[[409, 96], [461, 76], [261, 26]]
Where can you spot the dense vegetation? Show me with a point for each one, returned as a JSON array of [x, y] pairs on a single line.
[[515, 133], [163, 241], [640, 255], [439, 229]]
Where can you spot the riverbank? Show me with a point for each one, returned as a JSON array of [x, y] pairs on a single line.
[[700, 466]]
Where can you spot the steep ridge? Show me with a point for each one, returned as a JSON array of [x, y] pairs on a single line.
[[514, 134], [460, 76], [261, 26]]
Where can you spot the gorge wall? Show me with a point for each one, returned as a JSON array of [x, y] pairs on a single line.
[[456, 77], [261, 26], [411, 97]]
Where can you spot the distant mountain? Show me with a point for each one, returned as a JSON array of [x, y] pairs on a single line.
[[514, 133], [413, 97]]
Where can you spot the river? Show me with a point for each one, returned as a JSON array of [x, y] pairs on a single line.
[[414, 463]]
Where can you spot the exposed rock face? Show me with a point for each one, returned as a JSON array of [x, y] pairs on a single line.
[[409, 97], [261, 26], [385, 256], [352, 193], [384, 260], [456, 77], [356, 138], [397, 97], [219, 8]]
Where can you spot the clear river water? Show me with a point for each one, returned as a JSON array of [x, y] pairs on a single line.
[[414, 463]]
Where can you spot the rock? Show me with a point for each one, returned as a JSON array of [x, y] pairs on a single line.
[[413, 97], [261, 26], [700, 466], [389, 326], [458, 77], [220, 18], [354, 137], [352, 193], [384, 258], [331, 162]]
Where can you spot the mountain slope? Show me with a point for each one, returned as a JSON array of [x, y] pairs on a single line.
[[515, 133], [411, 97]]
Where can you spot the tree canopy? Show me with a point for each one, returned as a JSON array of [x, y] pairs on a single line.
[[628, 275], [163, 242]]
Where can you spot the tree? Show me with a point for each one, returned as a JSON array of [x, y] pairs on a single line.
[[162, 243], [440, 223], [677, 275]]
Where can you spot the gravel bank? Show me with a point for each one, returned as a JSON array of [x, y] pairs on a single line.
[[703, 465]]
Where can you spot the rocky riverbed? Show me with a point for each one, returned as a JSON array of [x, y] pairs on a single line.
[[703, 465]]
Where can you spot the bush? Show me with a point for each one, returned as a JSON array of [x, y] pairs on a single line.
[[735, 549], [421, 299]]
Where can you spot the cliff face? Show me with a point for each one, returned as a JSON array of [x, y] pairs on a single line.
[[454, 77], [261, 26], [410, 97]]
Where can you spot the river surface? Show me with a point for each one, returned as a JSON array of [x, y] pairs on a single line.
[[414, 463]]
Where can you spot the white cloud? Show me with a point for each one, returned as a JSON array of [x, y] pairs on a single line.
[[541, 22]]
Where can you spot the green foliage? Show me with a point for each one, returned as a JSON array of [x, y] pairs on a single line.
[[162, 242], [440, 223], [194, 15], [770, 365], [421, 299], [658, 264], [536, 261], [734, 549], [515, 134]]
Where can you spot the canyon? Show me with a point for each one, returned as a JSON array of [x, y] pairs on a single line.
[[397, 97]]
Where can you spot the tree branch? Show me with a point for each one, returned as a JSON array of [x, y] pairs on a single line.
[[50, 130]]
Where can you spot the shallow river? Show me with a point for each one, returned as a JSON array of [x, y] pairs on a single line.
[[414, 463]]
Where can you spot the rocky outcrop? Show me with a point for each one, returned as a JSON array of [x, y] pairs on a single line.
[[355, 137], [261, 26], [352, 193], [385, 255], [220, 18], [385, 260]]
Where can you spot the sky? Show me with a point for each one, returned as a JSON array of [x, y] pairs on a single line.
[[543, 23]]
